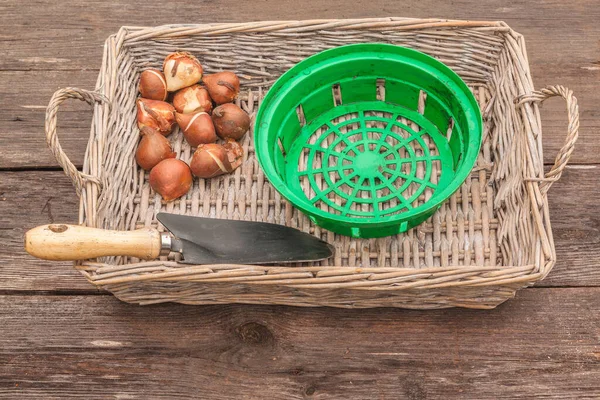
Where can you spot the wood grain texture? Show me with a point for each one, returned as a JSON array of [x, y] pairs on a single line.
[[52, 199], [545, 343], [561, 40], [542, 344], [28, 199], [576, 227], [71, 46], [24, 97]]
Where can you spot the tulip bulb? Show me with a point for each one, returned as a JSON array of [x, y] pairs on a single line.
[[223, 87], [181, 70], [192, 99], [153, 85], [211, 160], [156, 115], [231, 122], [153, 148], [197, 128], [171, 178]]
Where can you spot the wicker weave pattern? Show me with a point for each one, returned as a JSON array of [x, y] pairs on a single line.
[[491, 238]]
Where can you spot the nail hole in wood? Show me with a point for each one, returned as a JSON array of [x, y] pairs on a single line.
[[57, 228]]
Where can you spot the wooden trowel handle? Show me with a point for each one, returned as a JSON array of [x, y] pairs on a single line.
[[60, 242]]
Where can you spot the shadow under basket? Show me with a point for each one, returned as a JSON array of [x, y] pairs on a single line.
[[487, 240]]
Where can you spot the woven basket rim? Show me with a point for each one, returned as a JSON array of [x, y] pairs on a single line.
[[167, 30]]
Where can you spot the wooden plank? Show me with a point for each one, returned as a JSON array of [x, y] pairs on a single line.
[[576, 228], [560, 38], [544, 344], [51, 198], [75, 43], [28, 199], [25, 96]]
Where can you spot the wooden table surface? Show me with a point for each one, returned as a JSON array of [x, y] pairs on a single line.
[[61, 338]]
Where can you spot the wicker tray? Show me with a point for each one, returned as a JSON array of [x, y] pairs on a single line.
[[491, 238]]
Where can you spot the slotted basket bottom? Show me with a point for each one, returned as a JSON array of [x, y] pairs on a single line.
[[372, 160]]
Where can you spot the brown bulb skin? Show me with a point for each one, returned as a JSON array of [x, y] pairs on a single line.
[[210, 160], [156, 115], [153, 85], [235, 153], [223, 87], [197, 128], [231, 122], [171, 178], [153, 148]]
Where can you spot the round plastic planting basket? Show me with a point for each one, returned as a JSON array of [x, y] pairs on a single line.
[[368, 140]]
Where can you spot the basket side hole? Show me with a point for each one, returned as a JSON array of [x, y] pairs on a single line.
[[281, 148], [380, 85], [450, 128], [422, 102], [337, 94], [300, 113]]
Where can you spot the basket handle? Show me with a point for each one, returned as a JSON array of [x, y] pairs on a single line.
[[562, 158], [78, 178]]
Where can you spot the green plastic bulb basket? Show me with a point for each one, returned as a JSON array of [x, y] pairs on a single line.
[[368, 140]]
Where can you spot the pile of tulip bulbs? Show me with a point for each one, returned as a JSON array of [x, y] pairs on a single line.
[[202, 106]]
